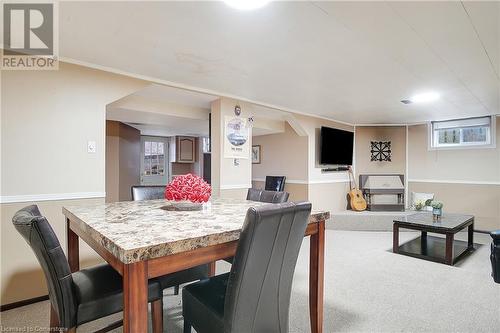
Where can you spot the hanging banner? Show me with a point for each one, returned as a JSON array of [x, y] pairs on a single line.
[[236, 137]]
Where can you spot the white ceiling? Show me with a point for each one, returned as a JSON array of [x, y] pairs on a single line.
[[352, 62], [169, 95]]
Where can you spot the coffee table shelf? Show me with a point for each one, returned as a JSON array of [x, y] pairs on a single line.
[[433, 248]]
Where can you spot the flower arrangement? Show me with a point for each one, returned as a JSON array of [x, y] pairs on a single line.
[[419, 204], [188, 188], [437, 209], [436, 204]]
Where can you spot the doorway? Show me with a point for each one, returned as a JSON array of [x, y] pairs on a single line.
[[154, 160]]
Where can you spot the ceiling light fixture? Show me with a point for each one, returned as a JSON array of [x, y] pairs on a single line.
[[246, 4], [422, 98]]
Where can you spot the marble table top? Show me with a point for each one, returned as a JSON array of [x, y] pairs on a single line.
[[446, 221], [139, 230]]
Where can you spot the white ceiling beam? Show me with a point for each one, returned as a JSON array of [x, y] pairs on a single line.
[[296, 125], [139, 103]]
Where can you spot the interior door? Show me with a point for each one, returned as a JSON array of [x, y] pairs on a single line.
[[154, 160]]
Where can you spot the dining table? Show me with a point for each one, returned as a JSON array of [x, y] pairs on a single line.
[[142, 240]]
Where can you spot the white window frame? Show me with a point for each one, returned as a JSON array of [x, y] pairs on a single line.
[[491, 143]]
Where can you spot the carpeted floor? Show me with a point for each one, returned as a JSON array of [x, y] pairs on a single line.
[[367, 289]]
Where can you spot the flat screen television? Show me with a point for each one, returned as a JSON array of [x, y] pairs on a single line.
[[336, 146]]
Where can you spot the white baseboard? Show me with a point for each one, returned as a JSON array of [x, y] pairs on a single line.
[[236, 187], [289, 181], [50, 197], [330, 181], [454, 181], [307, 182]]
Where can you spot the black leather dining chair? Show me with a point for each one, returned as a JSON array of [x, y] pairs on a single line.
[[255, 295], [83, 296], [275, 183], [267, 196], [148, 192], [263, 196], [152, 192]]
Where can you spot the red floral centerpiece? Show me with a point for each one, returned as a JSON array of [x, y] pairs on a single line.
[[188, 192]]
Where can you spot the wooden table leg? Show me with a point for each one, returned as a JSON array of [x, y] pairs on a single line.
[[395, 238], [73, 248], [211, 268], [449, 249], [423, 242], [135, 297], [157, 315], [316, 278], [54, 320], [470, 237]]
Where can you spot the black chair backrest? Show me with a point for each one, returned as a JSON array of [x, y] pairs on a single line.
[[37, 231], [148, 192], [260, 281], [267, 196], [275, 183]]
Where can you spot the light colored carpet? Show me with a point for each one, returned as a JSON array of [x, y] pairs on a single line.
[[367, 289], [365, 220]]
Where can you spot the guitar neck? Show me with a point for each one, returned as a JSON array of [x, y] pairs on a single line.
[[351, 176]]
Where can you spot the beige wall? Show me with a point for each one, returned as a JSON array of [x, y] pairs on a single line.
[[465, 180], [452, 164], [123, 160], [235, 193], [329, 196], [482, 201], [65, 109], [298, 192], [283, 154], [365, 134], [47, 117]]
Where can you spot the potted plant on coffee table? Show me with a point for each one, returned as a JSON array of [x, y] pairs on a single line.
[[437, 209]]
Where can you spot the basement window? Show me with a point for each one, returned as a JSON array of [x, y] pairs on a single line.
[[463, 133]]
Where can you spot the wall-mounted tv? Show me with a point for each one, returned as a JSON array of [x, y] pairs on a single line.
[[336, 146]]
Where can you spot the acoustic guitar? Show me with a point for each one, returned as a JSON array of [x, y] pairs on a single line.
[[356, 199]]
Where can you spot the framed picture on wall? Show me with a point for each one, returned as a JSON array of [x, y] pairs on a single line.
[[256, 154], [236, 143]]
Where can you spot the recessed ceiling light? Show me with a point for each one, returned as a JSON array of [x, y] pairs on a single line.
[[425, 97], [246, 4]]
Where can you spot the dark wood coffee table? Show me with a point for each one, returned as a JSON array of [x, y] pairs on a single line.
[[438, 249]]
